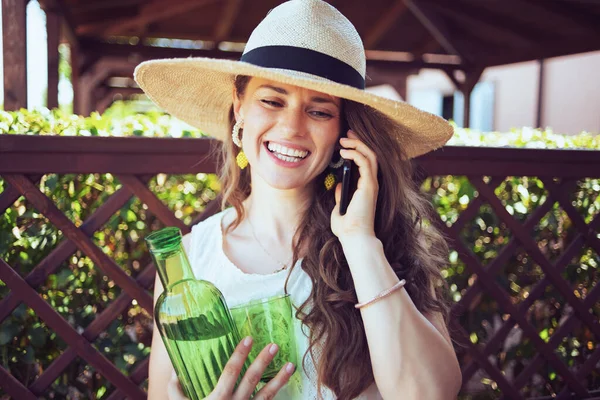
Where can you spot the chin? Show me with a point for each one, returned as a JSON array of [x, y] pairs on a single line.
[[288, 185], [285, 183]]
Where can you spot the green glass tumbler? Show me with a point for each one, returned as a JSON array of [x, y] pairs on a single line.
[[268, 320], [192, 317]]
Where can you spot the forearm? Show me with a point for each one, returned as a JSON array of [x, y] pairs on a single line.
[[409, 355]]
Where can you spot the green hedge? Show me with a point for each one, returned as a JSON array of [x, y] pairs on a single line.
[[79, 291]]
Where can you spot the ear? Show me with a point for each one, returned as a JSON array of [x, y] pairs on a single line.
[[237, 106]]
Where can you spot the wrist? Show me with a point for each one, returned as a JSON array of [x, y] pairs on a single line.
[[361, 242]]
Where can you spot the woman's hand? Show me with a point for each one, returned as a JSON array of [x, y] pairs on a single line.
[[225, 386], [359, 219]]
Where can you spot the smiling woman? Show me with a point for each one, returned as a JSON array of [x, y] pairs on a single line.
[[371, 306], [288, 137]]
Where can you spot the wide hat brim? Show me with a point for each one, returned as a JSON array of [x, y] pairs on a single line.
[[199, 91]]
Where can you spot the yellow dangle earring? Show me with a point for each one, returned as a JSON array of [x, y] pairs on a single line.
[[330, 178], [240, 159]]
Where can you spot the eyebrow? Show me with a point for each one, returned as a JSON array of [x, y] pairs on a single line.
[[316, 99]]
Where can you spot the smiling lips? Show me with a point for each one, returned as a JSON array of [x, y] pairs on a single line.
[[286, 153]]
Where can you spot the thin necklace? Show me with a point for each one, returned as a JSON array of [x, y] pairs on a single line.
[[283, 265]]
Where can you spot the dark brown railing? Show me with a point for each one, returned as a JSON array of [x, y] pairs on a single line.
[[134, 161]]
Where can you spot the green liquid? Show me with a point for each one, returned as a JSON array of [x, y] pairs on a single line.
[[273, 328], [205, 355], [199, 343], [192, 318]]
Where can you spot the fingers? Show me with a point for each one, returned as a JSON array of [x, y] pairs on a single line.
[[358, 151], [232, 369], [270, 389], [338, 193], [254, 373], [365, 168], [174, 390], [352, 142]]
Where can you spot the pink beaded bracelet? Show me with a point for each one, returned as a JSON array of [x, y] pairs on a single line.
[[383, 294]]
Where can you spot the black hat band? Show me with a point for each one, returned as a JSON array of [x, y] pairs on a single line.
[[305, 60]]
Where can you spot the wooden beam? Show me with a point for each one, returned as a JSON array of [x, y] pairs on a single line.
[[498, 32], [455, 81], [53, 22], [224, 25], [108, 97], [436, 26], [384, 24], [542, 49], [156, 10], [87, 7], [572, 10], [428, 46], [14, 38], [68, 21], [471, 79], [465, 85], [142, 52], [396, 78], [479, 11], [152, 52], [100, 72]]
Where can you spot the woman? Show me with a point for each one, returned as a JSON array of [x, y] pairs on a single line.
[[283, 113]]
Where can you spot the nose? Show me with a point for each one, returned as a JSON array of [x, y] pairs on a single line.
[[292, 122]]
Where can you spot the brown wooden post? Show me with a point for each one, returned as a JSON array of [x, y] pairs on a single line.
[[540, 99], [15, 53], [400, 87], [75, 77], [467, 107], [465, 86], [84, 96], [395, 77], [53, 30]]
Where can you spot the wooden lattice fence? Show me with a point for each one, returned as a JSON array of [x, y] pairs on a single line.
[[482, 285]]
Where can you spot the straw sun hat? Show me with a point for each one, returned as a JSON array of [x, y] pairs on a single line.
[[306, 43]]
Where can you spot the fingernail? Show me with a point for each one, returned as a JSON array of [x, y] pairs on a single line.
[[247, 341], [289, 368], [273, 349]]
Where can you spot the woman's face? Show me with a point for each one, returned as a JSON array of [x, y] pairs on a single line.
[[289, 133]]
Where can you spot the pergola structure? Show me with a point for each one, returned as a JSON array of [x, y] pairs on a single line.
[[462, 38]]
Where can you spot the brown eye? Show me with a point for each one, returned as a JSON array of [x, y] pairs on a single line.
[[321, 114], [271, 103]]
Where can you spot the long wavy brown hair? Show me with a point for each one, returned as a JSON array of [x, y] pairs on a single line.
[[415, 249]]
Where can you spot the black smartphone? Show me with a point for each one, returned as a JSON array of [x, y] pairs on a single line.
[[347, 186], [349, 180]]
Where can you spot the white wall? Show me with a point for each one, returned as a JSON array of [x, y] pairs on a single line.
[[572, 98], [516, 94], [571, 93]]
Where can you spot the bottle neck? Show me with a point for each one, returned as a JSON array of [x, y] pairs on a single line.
[[169, 256], [173, 267]]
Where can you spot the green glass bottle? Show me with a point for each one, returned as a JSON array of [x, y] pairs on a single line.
[[192, 317]]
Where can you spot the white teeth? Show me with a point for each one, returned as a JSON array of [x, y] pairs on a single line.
[[286, 151], [286, 158]]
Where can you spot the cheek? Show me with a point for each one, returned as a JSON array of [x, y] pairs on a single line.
[[257, 123], [329, 139]]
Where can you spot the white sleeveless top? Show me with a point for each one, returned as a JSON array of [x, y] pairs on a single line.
[[209, 262]]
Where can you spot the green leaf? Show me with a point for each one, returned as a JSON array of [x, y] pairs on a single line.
[[37, 336], [63, 277], [5, 336], [28, 355], [131, 216]]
